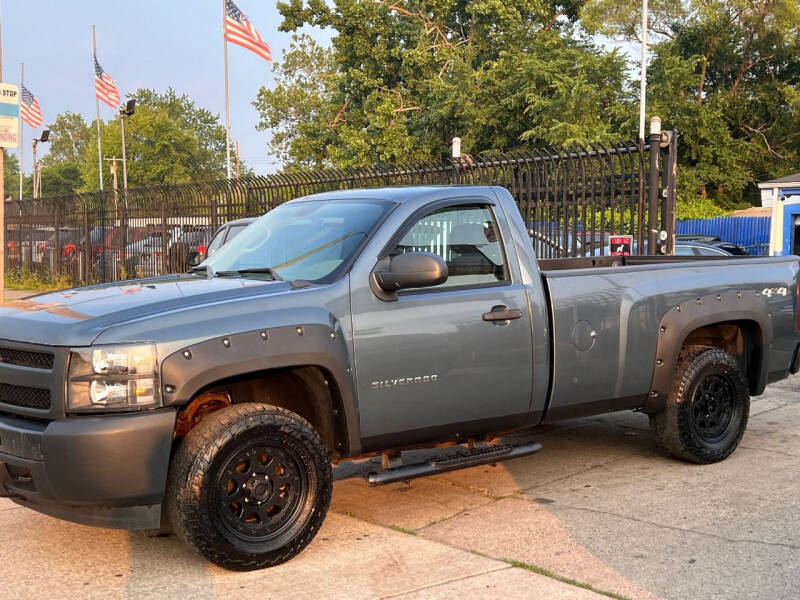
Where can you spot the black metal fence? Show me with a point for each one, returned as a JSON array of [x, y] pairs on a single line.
[[573, 200]]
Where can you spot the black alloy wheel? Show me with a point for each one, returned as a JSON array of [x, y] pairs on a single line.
[[707, 409], [712, 407], [260, 488], [249, 486]]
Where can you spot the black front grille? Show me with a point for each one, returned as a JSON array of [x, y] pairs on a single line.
[[24, 397], [25, 358]]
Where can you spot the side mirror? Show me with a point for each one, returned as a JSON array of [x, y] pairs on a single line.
[[414, 269], [193, 258]]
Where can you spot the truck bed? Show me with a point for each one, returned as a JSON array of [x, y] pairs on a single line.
[[607, 313]]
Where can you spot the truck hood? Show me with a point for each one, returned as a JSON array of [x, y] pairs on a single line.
[[75, 317]]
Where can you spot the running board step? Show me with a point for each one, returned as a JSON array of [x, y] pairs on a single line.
[[452, 462]]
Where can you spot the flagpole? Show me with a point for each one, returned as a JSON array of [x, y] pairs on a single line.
[[227, 101], [643, 82], [97, 109], [21, 131]]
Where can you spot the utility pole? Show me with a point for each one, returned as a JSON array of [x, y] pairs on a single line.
[[45, 137], [237, 159], [113, 160]]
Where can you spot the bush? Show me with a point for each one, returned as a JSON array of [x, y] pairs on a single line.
[[22, 279]]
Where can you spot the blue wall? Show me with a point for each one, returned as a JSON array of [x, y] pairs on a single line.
[[751, 233]]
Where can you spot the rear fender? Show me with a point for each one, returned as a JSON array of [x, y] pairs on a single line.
[[686, 317]]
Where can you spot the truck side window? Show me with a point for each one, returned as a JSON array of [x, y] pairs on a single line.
[[466, 237]]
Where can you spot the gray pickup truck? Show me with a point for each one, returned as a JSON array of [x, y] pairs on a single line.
[[364, 323]]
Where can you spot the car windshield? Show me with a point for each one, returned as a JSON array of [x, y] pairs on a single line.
[[300, 240]]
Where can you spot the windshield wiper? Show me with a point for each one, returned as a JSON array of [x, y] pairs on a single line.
[[250, 271]]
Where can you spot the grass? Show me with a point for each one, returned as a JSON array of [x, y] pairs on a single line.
[[403, 530], [25, 280], [567, 580]]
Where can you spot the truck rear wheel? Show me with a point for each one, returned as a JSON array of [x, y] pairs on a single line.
[[249, 486], [707, 410]]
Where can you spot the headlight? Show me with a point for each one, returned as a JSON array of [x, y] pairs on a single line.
[[113, 378]]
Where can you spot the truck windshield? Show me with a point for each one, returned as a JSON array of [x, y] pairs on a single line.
[[300, 240]]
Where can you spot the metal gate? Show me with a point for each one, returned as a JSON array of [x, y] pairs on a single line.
[[572, 199]]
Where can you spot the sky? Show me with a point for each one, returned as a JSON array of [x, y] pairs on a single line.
[[141, 43]]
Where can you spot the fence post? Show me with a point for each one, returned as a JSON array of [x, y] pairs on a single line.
[[214, 216], [456, 156], [86, 245], [163, 237], [123, 224], [654, 140], [668, 192], [29, 262], [57, 241]]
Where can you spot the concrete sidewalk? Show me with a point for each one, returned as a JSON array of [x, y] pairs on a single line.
[[9, 295], [598, 507]]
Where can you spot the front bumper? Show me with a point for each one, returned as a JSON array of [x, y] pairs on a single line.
[[107, 471]]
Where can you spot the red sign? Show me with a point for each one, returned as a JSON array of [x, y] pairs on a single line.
[[621, 245]]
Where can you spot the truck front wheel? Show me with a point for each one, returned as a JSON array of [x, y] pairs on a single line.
[[249, 486], [707, 410]]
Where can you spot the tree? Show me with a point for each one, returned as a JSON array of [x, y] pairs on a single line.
[[726, 74], [69, 136], [60, 179], [10, 175], [168, 140], [204, 125], [401, 79]]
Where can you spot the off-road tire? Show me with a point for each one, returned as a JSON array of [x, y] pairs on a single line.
[[683, 428], [196, 486]]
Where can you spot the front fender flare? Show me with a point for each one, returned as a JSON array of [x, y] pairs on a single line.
[[194, 367]]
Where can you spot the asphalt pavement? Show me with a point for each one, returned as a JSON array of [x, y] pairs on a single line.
[[599, 508]]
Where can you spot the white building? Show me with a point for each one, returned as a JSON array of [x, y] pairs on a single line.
[[782, 195]]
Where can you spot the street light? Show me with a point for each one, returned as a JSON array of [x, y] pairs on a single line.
[[125, 111], [43, 138]]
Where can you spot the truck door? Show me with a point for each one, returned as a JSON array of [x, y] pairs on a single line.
[[437, 362]]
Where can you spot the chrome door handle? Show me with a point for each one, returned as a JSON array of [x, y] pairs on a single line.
[[502, 313]]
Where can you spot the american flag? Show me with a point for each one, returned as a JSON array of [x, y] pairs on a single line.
[[104, 87], [29, 109], [238, 30]]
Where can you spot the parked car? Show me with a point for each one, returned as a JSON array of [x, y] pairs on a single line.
[[712, 240], [193, 240], [690, 248], [224, 234], [366, 322], [110, 258], [682, 248], [143, 257]]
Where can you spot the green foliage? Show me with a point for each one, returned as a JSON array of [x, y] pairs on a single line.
[[59, 179], [70, 135], [22, 279], [10, 175], [726, 75], [700, 207], [169, 139], [400, 80]]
